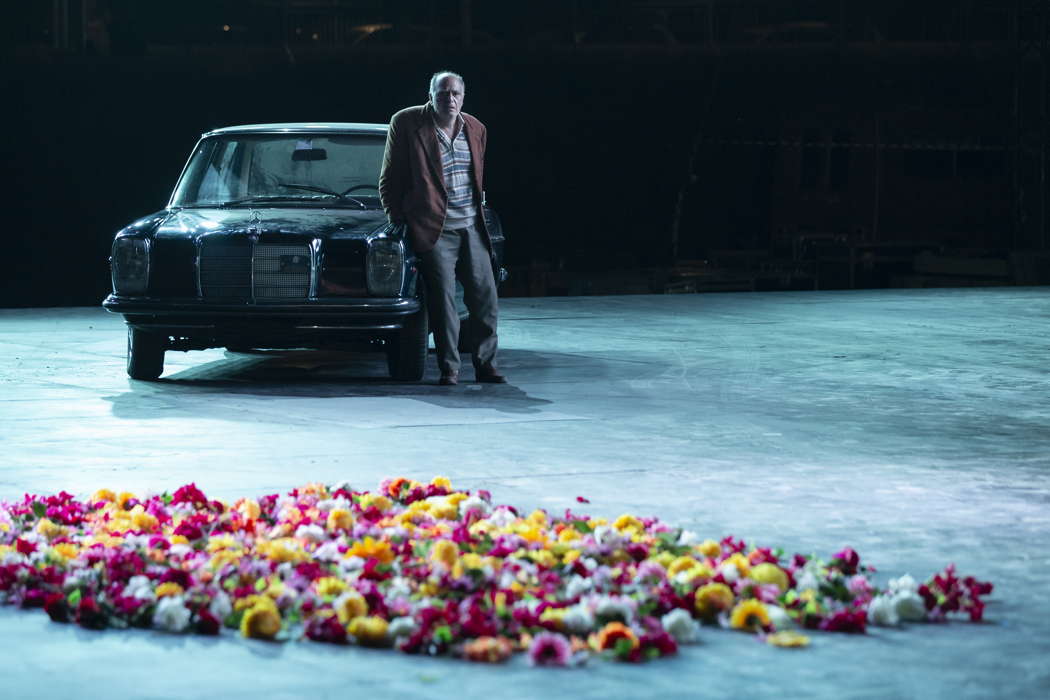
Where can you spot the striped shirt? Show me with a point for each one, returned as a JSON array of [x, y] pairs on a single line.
[[459, 179]]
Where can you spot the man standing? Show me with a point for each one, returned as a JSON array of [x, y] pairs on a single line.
[[432, 182]]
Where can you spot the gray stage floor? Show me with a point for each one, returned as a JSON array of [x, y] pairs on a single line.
[[912, 425]]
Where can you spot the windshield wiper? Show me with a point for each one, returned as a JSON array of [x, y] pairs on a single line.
[[322, 190], [269, 198]]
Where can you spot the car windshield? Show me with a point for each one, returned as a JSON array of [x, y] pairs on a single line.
[[336, 169]]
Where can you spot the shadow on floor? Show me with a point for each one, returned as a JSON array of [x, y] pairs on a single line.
[[317, 374]]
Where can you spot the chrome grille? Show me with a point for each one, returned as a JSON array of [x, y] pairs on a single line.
[[282, 272], [226, 269], [237, 270]]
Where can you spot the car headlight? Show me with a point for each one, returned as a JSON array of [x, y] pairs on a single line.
[[385, 267], [129, 265]]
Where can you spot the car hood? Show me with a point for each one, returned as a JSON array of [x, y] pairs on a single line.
[[316, 223]]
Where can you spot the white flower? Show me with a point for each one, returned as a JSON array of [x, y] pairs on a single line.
[[807, 580], [220, 606], [909, 606], [779, 617], [11, 558], [577, 586], [578, 619], [681, 625], [905, 583], [139, 587], [329, 551], [399, 587], [474, 503], [314, 533], [502, 517], [687, 539], [330, 504], [729, 571], [179, 550], [882, 612], [606, 536], [401, 627], [171, 614], [613, 608], [137, 541], [349, 565]]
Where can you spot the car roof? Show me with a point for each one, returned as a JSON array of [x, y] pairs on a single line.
[[301, 128]]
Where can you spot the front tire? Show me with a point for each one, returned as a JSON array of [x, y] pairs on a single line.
[[145, 354], [406, 356]]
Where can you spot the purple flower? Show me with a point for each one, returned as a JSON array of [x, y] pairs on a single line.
[[550, 649]]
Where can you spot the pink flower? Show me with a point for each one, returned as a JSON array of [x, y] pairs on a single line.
[[550, 649], [190, 494]]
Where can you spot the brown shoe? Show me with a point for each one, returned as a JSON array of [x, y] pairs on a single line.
[[489, 375], [450, 379]]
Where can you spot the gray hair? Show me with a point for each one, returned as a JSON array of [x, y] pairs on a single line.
[[441, 74]]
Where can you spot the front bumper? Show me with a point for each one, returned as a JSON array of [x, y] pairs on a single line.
[[192, 316]]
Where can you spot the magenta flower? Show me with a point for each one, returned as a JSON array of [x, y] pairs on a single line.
[[550, 649]]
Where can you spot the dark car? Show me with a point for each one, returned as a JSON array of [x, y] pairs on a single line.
[[275, 238]]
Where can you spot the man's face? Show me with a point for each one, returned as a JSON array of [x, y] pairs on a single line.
[[448, 97]]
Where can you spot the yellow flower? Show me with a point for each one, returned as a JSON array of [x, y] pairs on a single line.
[[371, 548], [456, 498], [249, 508], [276, 589], [251, 601], [330, 585], [444, 552], [538, 517], [709, 548], [369, 631], [339, 519], [349, 605], [283, 549], [169, 588], [444, 510], [123, 498], [788, 639], [770, 573], [49, 529], [681, 564], [178, 539], [140, 520], [542, 557], [66, 550], [555, 615], [103, 495], [595, 522], [712, 599], [381, 502], [629, 523], [220, 542], [224, 557], [571, 556], [568, 534], [749, 615], [664, 559], [442, 481], [261, 621], [740, 562]]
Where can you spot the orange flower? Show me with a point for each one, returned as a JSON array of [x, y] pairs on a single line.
[[372, 549], [749, 615], [492, 650], [608, 636]]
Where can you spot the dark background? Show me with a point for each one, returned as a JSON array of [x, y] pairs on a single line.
[[635, 146]]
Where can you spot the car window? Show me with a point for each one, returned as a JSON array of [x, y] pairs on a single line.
[[224, 169]]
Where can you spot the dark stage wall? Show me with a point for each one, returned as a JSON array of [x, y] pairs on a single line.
[[587, 153]]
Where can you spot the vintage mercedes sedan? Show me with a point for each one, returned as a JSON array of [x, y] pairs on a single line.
[[275, 238]]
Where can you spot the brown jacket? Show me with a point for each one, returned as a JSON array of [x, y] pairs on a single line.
[[412, 185]]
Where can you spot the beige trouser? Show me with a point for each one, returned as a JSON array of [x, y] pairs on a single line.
[[461, 253]]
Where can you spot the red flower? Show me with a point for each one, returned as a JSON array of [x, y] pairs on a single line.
[[846, 561], [89, 614], [581, 499], [207, 623], [326, 629], [850, 621], [56, 607], [24, 546], [190, 494]]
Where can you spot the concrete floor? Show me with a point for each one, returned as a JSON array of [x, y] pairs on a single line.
[[911, 425]]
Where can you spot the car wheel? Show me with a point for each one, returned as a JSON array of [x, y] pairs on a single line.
[[145, 354], [407, 354]]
